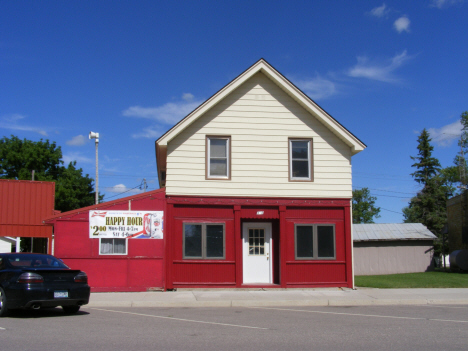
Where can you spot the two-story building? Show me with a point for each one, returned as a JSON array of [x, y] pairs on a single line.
[[258, 189], [255, 192]]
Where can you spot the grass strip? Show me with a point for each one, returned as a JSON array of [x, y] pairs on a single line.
[[436, 279]]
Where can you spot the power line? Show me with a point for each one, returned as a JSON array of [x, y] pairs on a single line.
[[390, 191], [390, 210], [123, 192]]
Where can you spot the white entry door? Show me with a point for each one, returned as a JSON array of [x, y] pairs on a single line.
[[256, 248]]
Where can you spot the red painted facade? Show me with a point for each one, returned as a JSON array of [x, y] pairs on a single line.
[[283, 214], [153, 264], [140, 269], [23, 206]]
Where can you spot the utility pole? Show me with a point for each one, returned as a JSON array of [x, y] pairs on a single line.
[[95, 136], [143, 185]]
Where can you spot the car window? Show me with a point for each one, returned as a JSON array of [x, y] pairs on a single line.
[[35, 261], [2, 263]]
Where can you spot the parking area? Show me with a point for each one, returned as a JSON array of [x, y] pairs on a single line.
[[428, 327]]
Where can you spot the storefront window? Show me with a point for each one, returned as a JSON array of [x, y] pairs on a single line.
[[204, 240], [315, 241]]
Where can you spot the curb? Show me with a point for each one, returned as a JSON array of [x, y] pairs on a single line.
[[278, 303]]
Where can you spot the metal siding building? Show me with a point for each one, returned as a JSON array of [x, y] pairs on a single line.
[[392, 248], [23, 206], [139, 269]]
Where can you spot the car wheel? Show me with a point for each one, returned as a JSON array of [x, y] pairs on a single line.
[[70, 309], [3, 307]]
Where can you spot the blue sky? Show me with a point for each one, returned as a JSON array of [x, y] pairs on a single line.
[[131, 69]]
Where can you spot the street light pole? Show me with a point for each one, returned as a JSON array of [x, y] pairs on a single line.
[[95, 136]]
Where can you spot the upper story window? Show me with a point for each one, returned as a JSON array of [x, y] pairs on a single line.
[[218, 157], [300, 160]]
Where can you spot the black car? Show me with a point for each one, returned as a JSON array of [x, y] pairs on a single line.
[[35, 281]]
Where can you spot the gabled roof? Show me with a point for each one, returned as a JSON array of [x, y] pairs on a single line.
[[391, 232], [262, 66]]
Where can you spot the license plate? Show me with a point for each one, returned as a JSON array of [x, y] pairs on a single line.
[[60, 294]]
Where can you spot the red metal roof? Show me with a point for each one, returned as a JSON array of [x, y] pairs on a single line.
[[23, 206]]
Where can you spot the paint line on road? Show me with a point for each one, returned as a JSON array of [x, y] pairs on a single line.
[[181, 319], [446, 320], [360, 314], [445, 306], [2, 328]]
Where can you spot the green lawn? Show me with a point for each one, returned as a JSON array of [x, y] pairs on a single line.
[[437, 279]]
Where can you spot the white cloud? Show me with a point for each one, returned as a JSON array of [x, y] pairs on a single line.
[[76, 156], [11, 122], [152, 132], [188, 97], [121, 188], [378, 71], [444, 136], [402, 24], [78, 140], [318, 88], [169, 113], [379, 11], [444, 3]]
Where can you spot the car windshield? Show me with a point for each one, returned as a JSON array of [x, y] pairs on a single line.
[[35, 261]]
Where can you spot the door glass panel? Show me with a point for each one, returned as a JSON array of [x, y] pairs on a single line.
[[256, 242]]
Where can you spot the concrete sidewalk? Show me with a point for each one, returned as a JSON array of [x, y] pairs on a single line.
[[289, 297]]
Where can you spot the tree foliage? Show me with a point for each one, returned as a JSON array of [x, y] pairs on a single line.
[[18, 158], [364, 209], [429, 205], [426, 165], [459, 172]]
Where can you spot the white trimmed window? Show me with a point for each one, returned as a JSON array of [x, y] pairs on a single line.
[[112, 246], [218, 157], [300, 160]]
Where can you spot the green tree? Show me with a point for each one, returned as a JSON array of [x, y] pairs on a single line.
[[18, 158], [464, 136], [429, 205], [458, 174], [364, 209], [426, 165], [72, 189]]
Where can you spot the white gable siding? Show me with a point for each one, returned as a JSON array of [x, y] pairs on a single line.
[[260, 117]]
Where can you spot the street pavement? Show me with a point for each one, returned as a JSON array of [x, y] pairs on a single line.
[[280, 297]]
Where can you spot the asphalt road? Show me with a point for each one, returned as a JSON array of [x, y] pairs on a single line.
[[300, 328]]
